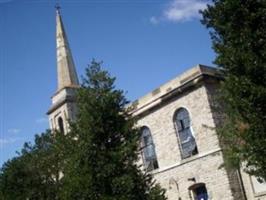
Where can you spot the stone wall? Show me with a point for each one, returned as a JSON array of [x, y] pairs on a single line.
[[175, 174]]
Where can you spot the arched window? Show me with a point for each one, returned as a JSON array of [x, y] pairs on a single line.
[[187, 141], [148, 150], [61, 125]]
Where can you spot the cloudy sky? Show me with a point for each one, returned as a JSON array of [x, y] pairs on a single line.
[[144, 43]]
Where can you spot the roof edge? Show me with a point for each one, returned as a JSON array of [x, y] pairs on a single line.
[[175, 86]]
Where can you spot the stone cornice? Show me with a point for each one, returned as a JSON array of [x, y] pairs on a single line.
[[191, 78], [67, 99]]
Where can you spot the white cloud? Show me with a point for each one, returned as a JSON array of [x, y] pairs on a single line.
[[181, 10], [42, 120], [13, 130], [8, 141]]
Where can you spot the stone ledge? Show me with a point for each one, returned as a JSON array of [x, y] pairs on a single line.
[[187, 160]]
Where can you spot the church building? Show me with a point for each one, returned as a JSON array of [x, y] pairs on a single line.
[[179, 143]]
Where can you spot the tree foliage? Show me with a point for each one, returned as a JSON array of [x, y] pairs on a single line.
[[96, 160], [34, 173], [238, 32], [104, 160]]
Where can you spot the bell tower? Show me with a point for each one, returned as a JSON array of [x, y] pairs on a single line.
[[63, 108]]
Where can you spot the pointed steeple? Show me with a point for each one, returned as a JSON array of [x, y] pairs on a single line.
[[66, 72], [63, 108]]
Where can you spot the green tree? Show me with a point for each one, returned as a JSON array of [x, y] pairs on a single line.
[[238, 32], [102, 159], [34, 173]]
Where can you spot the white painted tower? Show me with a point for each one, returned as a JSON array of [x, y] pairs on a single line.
[[63, 108]]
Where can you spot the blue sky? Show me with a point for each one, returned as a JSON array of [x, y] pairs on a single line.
[[144, 43]]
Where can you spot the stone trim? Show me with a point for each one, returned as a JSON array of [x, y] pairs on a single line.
[[177, 86], [60, 103], [256, 194], [67, 87], [187, 160]]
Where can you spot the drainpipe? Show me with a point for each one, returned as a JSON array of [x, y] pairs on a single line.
[[241, 183]]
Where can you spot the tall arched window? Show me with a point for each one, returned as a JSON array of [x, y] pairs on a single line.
[[61, 125], [148, 150], [186, 139]]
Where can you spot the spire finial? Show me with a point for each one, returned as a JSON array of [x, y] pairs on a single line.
[[57, 7]]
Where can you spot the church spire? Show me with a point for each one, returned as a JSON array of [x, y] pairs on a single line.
[[66, 72]]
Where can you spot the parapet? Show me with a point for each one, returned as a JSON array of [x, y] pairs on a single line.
[[173, 87]]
